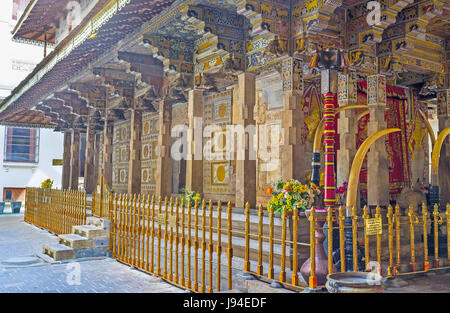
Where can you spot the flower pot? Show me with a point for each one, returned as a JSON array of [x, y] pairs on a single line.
[[321, 258]]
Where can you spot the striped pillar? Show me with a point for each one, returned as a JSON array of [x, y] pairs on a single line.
[[329, 135]]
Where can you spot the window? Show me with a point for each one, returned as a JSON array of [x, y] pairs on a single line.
[[21, 145]]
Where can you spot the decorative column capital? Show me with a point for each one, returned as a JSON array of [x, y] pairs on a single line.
[[347, 88], [376, 90]]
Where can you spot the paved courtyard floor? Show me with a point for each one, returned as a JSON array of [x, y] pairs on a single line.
[[22, 272]]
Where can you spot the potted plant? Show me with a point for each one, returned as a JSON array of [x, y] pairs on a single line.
[[187, 195], [46, 185], [287, 195]]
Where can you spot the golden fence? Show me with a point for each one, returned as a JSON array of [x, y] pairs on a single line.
[[174, 240], [100, 198], [398, 244], [55, 210]]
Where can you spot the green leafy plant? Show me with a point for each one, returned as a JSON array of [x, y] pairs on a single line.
[[47, 184], [187, 195]]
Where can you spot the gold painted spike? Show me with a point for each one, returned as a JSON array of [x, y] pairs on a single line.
[[158, 234], [219, 242], [390, 216], [196, 246], [294, 280], [230, 245], [312, 240], [437, 221], [341, 236], [177, 212], [270, 272], [171, 242], [353, 181], [260, 235], [412, 219], [378, 215], [166, 236], [437, 150], [203, 285], [283, 247], [210, 248], [138, 232], [354, 239], [425, 239], [189, 244], [182, 243], [152, 235], [247, 238], [397, 234]]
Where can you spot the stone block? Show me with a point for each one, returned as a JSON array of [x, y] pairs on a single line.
[[101, 242], [90, 231], [90, 253], [76, 241], [58, 252]]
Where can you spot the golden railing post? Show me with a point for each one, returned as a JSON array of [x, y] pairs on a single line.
[[230, 245], [330, 239], [183, 242], [366, 237], [203, 286], [171, 242], [354, 239], [397, 236], [210, 248], [119, 222], [270, 272], [341, 238], [283, 247], [247, 238], [114, 227], [129, 230], [133, 231], [166, 234], [189, 243], [145, 233], [196, 245], [259, 269], [312, 239], [219, 242], [123, 213], [138, 230], [437, 221], [412, 221], [378, 215], [158, 252], [448, 233], [390, 217], [426, 263], [177, 212], [294, 246], [150, 234]]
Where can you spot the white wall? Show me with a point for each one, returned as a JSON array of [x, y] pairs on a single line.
[[21, 175]]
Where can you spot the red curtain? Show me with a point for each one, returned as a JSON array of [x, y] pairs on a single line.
[[396, 143]]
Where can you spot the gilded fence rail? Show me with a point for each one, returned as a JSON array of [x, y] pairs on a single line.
[[101, 203], [55, 210]]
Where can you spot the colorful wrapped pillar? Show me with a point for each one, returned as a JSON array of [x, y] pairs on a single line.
[[329, 136]]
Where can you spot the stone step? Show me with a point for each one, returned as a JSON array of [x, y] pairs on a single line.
[[76, 241], [58, 251], [98, 222], [90, 231], [89, 253]]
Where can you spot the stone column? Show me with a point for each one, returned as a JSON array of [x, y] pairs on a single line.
[[377, 158], [164, 161], [66, 160], [134, 169], [444, 160], [292, 150], [97, 157], [245, 167], [75, 159], [107, 151], [89, 172], [347, 127], [194, 162]]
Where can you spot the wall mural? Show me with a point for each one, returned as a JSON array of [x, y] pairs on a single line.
[[149, 152]]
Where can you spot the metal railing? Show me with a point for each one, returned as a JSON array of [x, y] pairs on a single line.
[[55, 210]]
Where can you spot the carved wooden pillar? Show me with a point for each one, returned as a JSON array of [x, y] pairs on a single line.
[[134, 170], [107, 150], [66, 160], [97, 158], [245, 161], [347, 129], [444, 159], [377, 158], [75, 159], [292, 150], [194, 162], [89, 172], [164, 161]]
